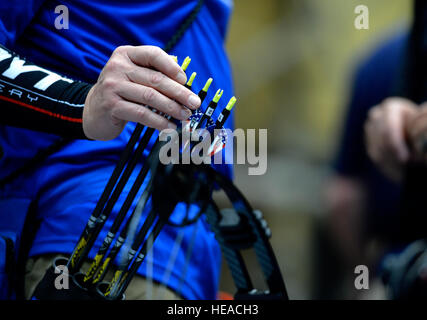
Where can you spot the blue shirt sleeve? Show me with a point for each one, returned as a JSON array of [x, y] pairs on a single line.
[[15, 16]]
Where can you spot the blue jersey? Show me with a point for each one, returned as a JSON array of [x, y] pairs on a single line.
[[68, 184]]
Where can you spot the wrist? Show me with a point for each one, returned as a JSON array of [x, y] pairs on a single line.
[[86, 118]]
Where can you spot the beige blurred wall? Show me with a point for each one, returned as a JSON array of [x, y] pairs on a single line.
[[292, 62]]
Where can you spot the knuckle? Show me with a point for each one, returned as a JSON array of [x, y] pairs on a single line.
[[141, 114], [133, 75], [118, 50], [148, 95], [152, 51], [114, 64], [121, 50], [173, 109], [156, 55], [392, 100], [156, 78], [387, 101], [110, 84]]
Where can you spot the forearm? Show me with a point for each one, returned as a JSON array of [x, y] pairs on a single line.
[[34, 98]]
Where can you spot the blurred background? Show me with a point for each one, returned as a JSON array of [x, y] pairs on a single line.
[[293, 62]]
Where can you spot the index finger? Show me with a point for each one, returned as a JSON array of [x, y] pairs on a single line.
[[151, 56]]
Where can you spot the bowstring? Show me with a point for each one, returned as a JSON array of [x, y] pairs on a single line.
[[172, 259], [174, 255], [149, 270], [188, 255]]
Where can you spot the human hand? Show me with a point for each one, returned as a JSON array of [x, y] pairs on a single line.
[[132, 79], [387, 133]]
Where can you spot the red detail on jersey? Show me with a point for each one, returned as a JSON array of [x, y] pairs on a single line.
[[55, 115]]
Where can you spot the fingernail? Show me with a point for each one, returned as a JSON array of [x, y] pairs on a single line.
[[185, 113], [181, 77], [194, 101], [171, 125]]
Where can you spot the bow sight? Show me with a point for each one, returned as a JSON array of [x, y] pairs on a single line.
[[235, 229]]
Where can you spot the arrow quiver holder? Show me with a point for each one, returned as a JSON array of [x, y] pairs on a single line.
[[166, 185]]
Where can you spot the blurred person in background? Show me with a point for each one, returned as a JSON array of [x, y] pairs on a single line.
[[395, 134], [385, 202], [359, 196]]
